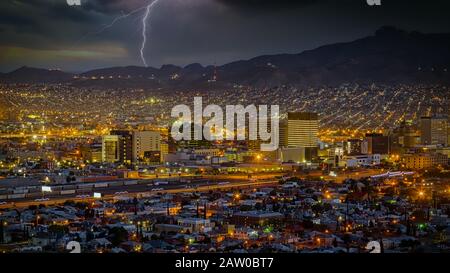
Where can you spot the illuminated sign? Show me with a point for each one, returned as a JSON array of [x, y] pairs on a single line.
[[46, 189], [97, 195]]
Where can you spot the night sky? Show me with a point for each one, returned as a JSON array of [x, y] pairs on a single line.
[[52, 34]]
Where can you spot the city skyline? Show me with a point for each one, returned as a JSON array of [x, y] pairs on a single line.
[[269, 127]]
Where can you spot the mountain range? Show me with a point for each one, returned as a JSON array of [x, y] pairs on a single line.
[[390, 56]]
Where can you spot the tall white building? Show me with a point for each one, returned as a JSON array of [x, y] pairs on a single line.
[[146, 145], [110, 149]]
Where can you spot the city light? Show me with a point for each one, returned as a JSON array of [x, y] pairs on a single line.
[[325, 144]]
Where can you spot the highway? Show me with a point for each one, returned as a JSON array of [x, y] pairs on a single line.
[[146, 187], [142, 190]]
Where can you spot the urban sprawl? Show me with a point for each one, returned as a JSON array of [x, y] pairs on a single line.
[[355, 164]]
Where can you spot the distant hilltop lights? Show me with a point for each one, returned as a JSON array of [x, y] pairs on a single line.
[[213, 129]]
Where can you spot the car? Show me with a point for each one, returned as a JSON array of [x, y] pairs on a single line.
[[41, 199], [223, 183], [121, 192], [3, 203], [157, 189]]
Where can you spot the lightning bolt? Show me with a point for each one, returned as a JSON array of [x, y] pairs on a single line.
[[123, 16], [110, 25], [144, 30], [148, 8]]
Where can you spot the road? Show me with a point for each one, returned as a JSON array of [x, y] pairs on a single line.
[[208, 182], [144, 190]]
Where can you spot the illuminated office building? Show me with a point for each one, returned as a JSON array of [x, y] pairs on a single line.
[[146, 146], [125, 145], [433, 130], [301, 130], [375, 144], [110, 149]]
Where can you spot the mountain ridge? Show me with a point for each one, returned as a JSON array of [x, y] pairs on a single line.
[[389, 56]]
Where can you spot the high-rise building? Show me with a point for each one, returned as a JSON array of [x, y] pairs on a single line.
[[110, 149], [146, 146], [375, 144], [407, 134], [404, 137], [283, 133], [302, 129], [125, 145], [352, 146], [433, 130]]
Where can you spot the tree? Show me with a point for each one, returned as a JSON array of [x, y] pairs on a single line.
[[118, 235]]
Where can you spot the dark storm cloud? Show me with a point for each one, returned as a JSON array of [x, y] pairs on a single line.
[[52, 23], [60, 11], [8, 19], [39, 13], [187, 31], [21, 12]]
